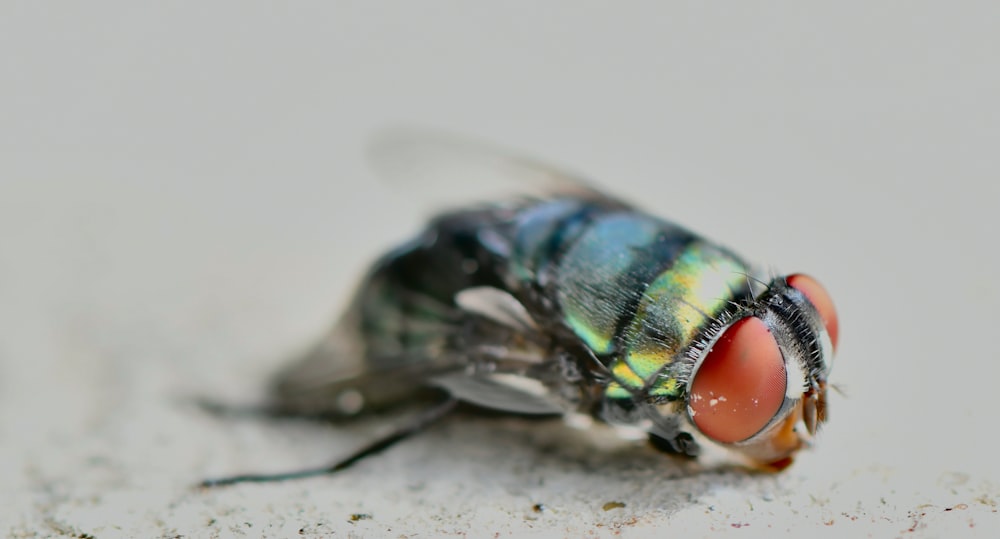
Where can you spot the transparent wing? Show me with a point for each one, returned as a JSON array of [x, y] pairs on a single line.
[[420, 321], [486, 351], [341, 376], [461, 170]]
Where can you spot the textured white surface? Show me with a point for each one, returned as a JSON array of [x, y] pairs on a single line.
[[184, 203]]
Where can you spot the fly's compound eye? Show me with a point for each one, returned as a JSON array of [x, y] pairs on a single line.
[[817, 295], [740, 385]]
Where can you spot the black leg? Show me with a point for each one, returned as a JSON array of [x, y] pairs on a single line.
[[668, 436], [229, 411], [682, 445], [419, 423]]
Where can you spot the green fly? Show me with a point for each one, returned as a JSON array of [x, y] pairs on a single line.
[[565, 300]]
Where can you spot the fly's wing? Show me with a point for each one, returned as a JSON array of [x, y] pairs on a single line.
[[420, 321], [460, 170], [397, 344]]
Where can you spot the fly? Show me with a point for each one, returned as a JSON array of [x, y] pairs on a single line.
[[566, 300]]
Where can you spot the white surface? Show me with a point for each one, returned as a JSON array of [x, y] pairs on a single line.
[[184, 203]]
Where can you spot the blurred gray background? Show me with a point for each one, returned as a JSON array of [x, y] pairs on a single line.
[[185, 203]]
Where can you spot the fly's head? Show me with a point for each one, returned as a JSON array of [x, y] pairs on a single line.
[[759, 379]]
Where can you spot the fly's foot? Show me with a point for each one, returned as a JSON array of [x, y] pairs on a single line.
[[683, 444]]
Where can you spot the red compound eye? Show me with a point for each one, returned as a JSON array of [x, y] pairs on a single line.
[[817, 295], [740, 385]]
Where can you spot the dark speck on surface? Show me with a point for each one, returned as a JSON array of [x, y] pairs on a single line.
[[613, 505]]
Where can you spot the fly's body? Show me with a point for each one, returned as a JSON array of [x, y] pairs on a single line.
[[573, 301]]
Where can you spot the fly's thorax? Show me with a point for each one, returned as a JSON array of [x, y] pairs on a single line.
[[679, 303], [758, 375]]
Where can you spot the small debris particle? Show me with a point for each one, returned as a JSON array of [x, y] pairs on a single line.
[[613, 505], [739, 525], [360, 516], [538, 507]]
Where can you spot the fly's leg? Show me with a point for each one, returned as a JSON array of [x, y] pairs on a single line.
[[226, 410], [683, 444], [668, 436], [419, 423], [666, 432]]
